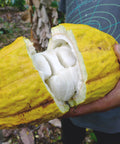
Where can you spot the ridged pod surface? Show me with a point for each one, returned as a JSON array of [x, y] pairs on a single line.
[[99, 58], [23, 95]]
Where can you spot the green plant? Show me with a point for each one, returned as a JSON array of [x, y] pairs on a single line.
[[61, 16], [93, 137], [19, 4], [15, 3], [4, 3], [54, 4]]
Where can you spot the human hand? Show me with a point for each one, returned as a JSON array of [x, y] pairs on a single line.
[[111, 100]]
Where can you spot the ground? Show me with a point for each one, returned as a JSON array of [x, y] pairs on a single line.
[[11, 27]]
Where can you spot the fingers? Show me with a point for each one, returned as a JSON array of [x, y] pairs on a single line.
[[117, 50]]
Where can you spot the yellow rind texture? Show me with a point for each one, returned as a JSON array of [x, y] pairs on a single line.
[[23, 95], [99, 58]]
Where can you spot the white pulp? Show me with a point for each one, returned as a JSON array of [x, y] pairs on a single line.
[[59, 70]]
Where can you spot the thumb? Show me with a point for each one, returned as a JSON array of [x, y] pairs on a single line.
[[117, 50]]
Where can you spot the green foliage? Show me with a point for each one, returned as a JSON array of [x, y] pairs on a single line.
[[54, 4], [90, 137], [19, 4], [15, 3], [33, 7], [1, 32], [4, 3], [93, 136], [6, 29], [61, 16], [1, 20]]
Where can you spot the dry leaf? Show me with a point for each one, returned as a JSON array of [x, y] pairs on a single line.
[[55, 16], [7, 132], [26, 136], [55, 122]]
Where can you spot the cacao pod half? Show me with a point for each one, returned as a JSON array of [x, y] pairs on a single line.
[[79, 66]]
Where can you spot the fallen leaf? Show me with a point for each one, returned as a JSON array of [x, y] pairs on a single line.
[[26, 136], [55, 122]]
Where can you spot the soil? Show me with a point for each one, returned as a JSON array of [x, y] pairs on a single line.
[[11, 26]]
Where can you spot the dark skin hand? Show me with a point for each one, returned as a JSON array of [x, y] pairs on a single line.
[[111, 100]]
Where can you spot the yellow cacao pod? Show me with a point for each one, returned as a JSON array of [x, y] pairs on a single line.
[[79, 66]]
